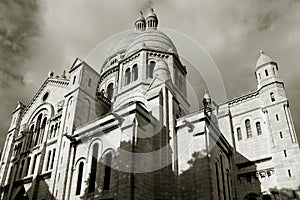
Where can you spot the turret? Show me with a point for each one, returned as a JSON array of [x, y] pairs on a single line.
[[266, 71], [140, 23], [151, 20]]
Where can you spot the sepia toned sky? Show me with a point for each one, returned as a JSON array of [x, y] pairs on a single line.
[[37, 36]]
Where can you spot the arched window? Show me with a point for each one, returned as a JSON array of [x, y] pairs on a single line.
[[248, 128], [110, 90], [266, 72], [79, 178], [135, 72], [127, 76], [258, 128], [37, 129], [93, 168], [107, 171], [43, 127], [151, 69], [53, 157], [30, 139], [272, 96], [239, 133]]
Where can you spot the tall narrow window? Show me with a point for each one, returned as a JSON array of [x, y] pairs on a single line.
[[37, 129], [218, 181], [223, 178], [110, 90], [135, 72], [107, 171], [280, 133], [21, 168], [90, 82], [74, 79], [48, 160], [289, 173], [27, 166], [79, 178], [258, 128], [239, 133], [266, 72], [30, 139], [284, 152], [228, 184], [53, 157], [43, 127], [127, 76], [151, 69], [272, 97], [248, 128], [33, 164], [277, 117], [93, 168]]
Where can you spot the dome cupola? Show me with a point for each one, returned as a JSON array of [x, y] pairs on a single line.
[[151, 20], [140, 23], [263, 59]]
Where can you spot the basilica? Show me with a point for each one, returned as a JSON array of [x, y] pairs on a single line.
[[125, 131]]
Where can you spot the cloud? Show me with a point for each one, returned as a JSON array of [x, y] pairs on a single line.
[[18, 23]]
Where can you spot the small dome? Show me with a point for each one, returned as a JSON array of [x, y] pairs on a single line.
[[263, 59], [161, 70], [151, 14], [141, 17], [151, 39]]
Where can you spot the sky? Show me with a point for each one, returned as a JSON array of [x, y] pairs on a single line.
[[38, 36]]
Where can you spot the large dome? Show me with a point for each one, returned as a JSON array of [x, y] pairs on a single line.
[[151, 39]]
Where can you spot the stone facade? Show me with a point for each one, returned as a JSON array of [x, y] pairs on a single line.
[[126, 132]]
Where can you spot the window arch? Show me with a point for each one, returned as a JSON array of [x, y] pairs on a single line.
[[239, 133], [151, 69], [107, 171], [248, 128], [272, 96], [110, 90], [127, 76], [135, 72], [93, 168], [258, 128], [79, 178]]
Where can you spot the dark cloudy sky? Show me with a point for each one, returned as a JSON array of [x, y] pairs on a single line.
[[37, 36]]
